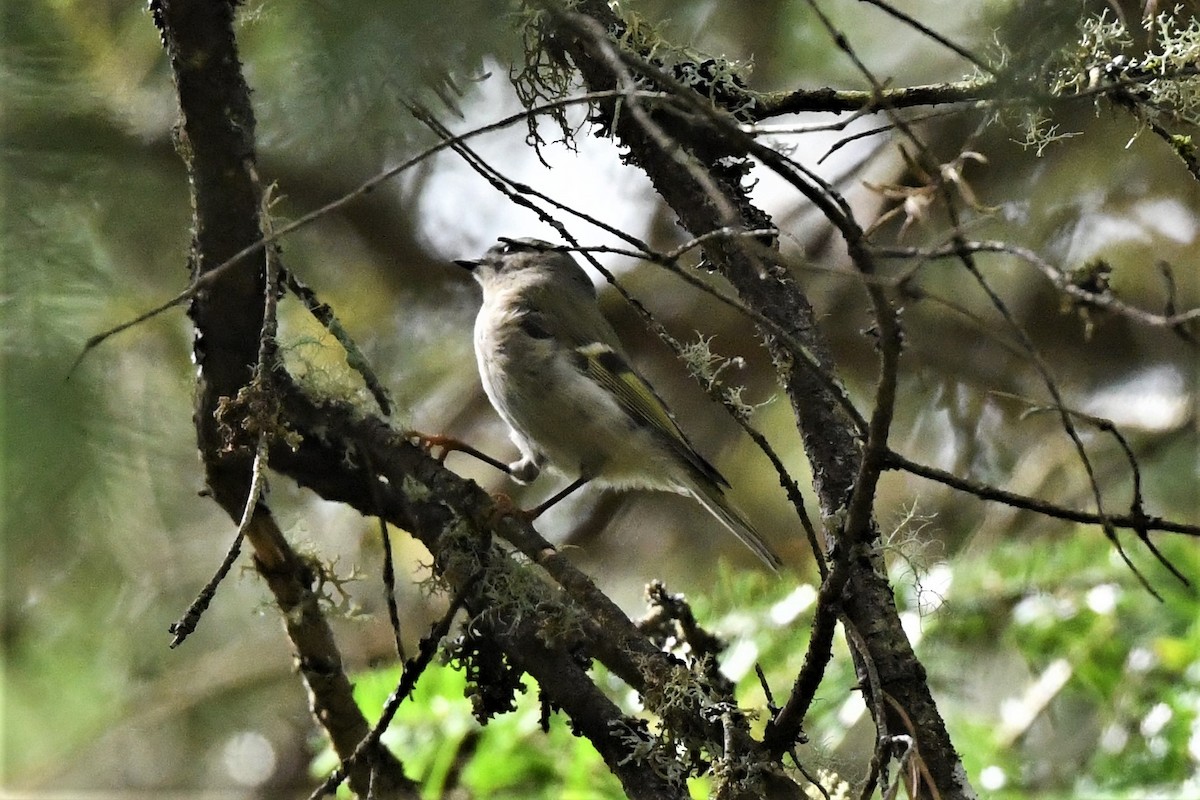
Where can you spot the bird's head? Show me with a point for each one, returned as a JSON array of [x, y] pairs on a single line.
[[527, 262]]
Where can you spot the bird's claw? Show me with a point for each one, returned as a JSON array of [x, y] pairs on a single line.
[[505, 506], [448, 444], [432, 442]]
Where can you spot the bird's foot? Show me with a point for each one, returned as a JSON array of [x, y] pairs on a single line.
[[504, 506], [433, 443]]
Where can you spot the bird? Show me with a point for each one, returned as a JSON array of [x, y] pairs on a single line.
[[556, 373]]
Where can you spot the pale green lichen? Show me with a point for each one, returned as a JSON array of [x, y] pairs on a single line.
[[329, 587], [706, 367], [319, 368], [832, 783], [544, 76], [703, 363], [1040, 131], [645, 748], [677, 700], [1160, 84]]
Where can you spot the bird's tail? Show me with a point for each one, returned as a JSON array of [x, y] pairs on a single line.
[[713, 498]]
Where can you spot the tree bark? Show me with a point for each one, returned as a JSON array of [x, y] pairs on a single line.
[[830, 439], [216, 141]]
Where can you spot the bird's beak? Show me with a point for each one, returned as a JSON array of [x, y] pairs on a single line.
[[467, 263]]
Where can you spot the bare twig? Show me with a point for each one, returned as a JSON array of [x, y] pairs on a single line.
[[260, 384], [920, 768], [872, 692], [411, 672], [389, 568], [925, 30], [1137, 501], [210, 276], [988, 492], [784, 729], [389, 587], [355, 358], [1057, 276], [1068, 425]]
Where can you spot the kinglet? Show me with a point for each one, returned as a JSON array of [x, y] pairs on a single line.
[[555, 371]]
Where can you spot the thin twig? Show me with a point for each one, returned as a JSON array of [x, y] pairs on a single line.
[[973, 90], [1068, 425], [210, 276], [909, 120], [881, 754], [355, 358], [389, 570], [930, 33], [412, 671], [260, 381], [1137, 502], [389, 586], [773, 710], [914, 751], [784, 729], [1057, 276], [985, 491]]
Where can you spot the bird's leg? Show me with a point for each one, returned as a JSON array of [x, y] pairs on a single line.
[[526, 469], [534, 513], [447, 444]]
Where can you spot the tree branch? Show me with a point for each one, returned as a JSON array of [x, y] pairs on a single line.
[[710, 147], [217, 145]]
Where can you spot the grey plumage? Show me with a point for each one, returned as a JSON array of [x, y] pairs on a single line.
[[555, 371]]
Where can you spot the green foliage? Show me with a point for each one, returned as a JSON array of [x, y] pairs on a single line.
[[1051, 640], [440, 743], [1101, 667]]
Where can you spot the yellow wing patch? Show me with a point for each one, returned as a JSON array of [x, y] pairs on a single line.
[[608, 369]]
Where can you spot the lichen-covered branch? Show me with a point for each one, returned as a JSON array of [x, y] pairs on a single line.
[[216, 141], [519, 624], [704, 142]]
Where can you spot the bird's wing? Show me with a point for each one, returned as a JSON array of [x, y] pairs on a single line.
[[596, 349], [609, 369]]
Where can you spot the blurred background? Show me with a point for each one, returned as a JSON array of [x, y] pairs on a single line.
[[1058, 674]]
